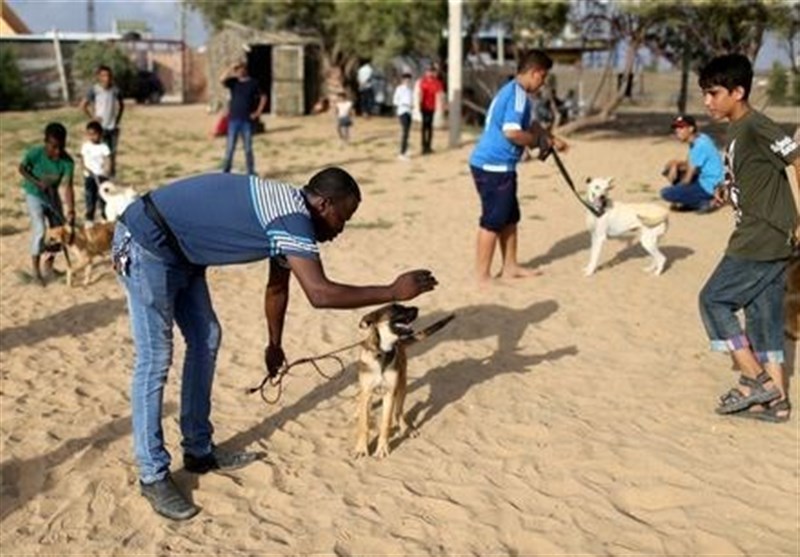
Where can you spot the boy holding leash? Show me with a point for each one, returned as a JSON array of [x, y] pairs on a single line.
[[508, 130], [44, 169], [752, 274]]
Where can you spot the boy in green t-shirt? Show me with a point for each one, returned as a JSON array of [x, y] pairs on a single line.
[[752, 274], [44, 168]]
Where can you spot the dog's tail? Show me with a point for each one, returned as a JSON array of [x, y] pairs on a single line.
[[428, 331]]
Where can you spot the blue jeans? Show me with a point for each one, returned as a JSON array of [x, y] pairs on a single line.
[[42, 213], [111, 138], [757, 287], [405, 126], [235, 129], [160, 294], [91, 196], [692, 196]]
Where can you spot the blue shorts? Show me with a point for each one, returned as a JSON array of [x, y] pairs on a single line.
[[498, 192]]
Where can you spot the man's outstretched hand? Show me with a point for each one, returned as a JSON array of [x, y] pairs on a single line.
[[413, 283]]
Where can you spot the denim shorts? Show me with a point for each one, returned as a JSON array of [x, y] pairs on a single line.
[[757, 289], [498, 193]]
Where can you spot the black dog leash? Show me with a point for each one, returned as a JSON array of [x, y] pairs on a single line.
[[276, 380], [594, 210]]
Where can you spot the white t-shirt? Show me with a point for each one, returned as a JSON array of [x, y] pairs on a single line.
[[343, 108], [94, 156], [403, 99]]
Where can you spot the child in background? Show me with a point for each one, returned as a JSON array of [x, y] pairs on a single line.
[[344, 117], [96, 158], [44, 168], [403, 101]]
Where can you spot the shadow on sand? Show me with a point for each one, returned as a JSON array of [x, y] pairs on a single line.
[[448, 383], [22, 480], [74, 321]]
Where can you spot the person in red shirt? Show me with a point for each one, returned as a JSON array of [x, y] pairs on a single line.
[[429, 88]]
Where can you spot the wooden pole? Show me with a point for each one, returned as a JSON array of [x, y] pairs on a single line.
[[454, 46], [62, 75]]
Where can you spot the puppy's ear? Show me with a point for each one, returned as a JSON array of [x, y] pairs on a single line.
[[369, 319]]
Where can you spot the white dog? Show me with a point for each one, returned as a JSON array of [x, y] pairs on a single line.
[[117, 199], [619, 218]]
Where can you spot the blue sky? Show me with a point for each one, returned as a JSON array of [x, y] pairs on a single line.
[[70, 15], [163, 16]]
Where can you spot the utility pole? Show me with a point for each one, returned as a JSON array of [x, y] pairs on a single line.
[[454, 62], [184, 61], [90, 26]]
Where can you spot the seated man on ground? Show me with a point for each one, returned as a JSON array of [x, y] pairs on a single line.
[[693, 181]]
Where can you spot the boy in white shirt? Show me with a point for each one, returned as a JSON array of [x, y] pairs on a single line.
[[96, 158], [404, 100], [344, 117]]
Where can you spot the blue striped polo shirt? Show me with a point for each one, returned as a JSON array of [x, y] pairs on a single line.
[[510, 110], [224, 219]]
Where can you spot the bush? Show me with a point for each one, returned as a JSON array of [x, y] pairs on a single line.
[[796, 89], [777, 85], [89, 55], [13, 95]]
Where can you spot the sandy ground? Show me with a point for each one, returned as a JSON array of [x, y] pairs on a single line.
[[557, 415]]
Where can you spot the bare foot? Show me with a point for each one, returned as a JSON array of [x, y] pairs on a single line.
[[518, 273]]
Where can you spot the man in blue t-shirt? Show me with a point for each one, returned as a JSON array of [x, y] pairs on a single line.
[[247, 104], [509, 129], [695, 179], [162, 246]]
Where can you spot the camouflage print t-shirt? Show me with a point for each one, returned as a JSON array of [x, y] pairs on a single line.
[[755, 173]]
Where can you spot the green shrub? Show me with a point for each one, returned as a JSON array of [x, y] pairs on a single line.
[[777, 85], [796, 90], [89, 55], [13, 95]]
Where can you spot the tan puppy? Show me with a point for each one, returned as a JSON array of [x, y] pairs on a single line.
[[382, 371], [792, 300], [82, 245]]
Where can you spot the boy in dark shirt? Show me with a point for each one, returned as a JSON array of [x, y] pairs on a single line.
[[247, 104], [752, 274]]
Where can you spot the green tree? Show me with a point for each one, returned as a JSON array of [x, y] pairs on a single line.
[[777, 85], [347, 30], [726, 27], [89, 55], [13, 95]]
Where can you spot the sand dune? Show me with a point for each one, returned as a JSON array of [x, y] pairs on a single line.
[[557, 415]]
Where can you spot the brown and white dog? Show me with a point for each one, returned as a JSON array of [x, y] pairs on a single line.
[[82, 245], [117, 198], [382, 371]]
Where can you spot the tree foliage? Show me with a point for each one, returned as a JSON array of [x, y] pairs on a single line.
[[89, 55], [347, 30], [777, 85], [13, 95]]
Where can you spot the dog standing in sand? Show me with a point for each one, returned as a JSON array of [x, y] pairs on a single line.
[[117, 198], [382, 371], [618, 218], [82, 245]]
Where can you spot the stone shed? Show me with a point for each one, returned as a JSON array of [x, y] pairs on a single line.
[[286, 65]]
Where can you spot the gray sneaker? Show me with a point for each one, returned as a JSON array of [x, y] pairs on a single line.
[[167, 500]]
